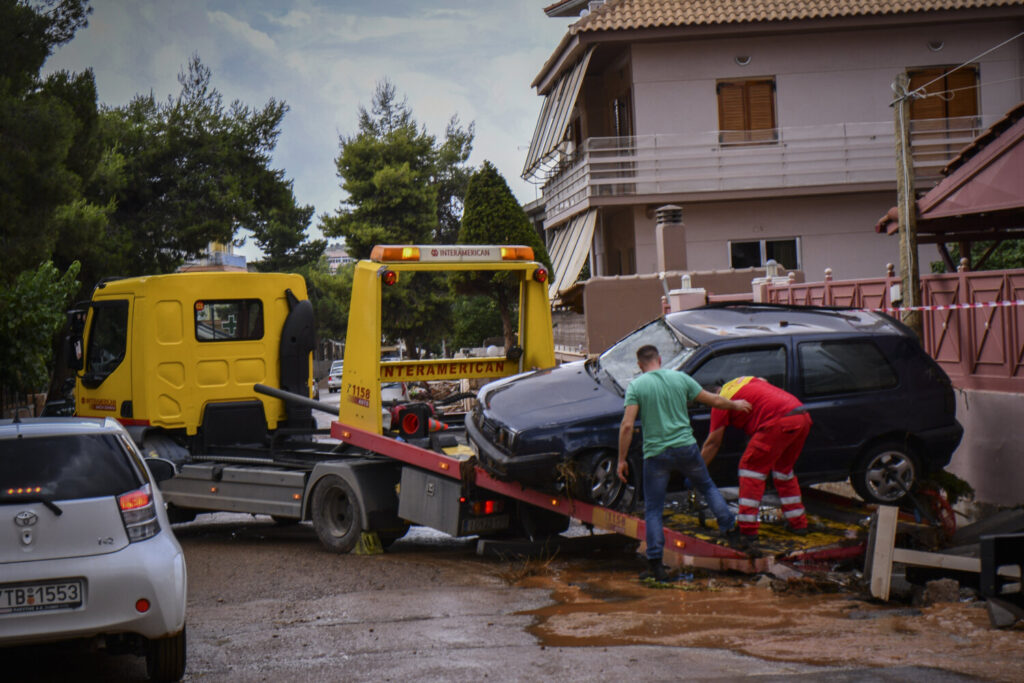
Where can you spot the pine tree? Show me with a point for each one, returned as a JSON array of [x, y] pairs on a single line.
[[493, 216]]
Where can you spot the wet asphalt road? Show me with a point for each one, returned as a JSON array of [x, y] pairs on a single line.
[[267, 603]]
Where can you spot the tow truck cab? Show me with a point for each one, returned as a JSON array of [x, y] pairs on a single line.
[[180, 353]]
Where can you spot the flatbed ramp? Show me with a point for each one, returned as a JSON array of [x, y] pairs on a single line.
[[837, 531]]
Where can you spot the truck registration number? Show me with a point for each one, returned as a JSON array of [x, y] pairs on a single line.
[[35, 597], [475, 525]]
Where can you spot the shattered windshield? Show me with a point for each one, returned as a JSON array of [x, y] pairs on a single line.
[[619, 362]]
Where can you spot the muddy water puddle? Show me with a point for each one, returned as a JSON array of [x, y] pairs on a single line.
[[600, 608]]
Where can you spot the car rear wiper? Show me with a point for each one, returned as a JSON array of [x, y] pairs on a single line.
[[33, 499]]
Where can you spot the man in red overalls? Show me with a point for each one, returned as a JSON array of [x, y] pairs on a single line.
[[777, 428]]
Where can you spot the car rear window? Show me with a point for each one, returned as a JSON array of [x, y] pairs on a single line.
[[66, 467], [837, 367]]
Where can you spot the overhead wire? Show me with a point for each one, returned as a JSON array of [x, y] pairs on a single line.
[[919, 92]]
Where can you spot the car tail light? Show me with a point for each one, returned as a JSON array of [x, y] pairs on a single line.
[[138, 513]]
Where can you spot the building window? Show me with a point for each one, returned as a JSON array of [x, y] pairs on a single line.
[[756, 253], [746, 111], [953, 95]]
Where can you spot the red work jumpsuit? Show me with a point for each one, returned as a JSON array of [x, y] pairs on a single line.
[[777, 435]]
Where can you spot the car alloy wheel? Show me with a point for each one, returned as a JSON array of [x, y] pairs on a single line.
[[884, 474], [600, 482]]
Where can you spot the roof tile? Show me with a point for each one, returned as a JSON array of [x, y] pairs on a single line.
[[639, 14]]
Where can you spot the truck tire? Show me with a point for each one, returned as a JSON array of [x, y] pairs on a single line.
[[163, 446], [335, 513], [165, 657]]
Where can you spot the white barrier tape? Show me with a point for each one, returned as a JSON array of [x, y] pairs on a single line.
[[947, 307]]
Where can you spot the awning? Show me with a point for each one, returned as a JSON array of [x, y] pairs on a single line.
[[982, 195], [568, 248], [554, 115]]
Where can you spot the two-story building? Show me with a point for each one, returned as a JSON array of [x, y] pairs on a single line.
[[770, 122]]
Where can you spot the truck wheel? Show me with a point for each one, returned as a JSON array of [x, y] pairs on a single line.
[[165, 657], [336, 514], [163, 446]]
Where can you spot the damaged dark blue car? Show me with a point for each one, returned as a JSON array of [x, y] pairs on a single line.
[[884, 412]]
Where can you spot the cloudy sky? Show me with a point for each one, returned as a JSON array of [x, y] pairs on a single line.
[[474, 58]]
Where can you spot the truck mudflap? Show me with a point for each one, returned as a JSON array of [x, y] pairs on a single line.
[[687, 540]]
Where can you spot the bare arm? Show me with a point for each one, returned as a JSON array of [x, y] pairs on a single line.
[[626, 438], [711, 445], [717, 401]]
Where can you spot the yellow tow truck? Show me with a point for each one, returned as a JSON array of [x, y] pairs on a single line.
[[212, 371]]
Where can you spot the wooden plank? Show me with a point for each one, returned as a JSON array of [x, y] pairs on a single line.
[[921, 558], [884, 534]]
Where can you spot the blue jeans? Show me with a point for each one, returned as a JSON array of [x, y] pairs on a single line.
[[657, 471]]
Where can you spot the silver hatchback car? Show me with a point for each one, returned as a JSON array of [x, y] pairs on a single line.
[[87, 550]]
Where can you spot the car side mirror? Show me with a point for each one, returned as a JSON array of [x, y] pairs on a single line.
[[161, 469]]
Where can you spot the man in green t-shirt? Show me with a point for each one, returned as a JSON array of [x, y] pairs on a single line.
[[659, 397]]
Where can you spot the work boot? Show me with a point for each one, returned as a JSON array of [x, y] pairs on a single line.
[[734, 537], [742, 542], [655, 570]]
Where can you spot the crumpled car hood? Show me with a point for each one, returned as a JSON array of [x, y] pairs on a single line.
[[559, 395]]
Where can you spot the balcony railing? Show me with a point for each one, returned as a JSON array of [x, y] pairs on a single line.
[[836, 154]]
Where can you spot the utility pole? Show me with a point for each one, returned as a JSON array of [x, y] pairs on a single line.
[[907, 206]]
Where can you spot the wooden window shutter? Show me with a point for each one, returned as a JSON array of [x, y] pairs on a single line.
[[933, 107], [732, 119], [746, 111], [963, 100], [761, 108]]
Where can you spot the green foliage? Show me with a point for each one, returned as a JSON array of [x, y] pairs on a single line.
[[386, 169], [329, 295], [31, 313], [475, 319], [493, 216], [451, 178], [1008, 255], [955, 487], [192, 171], [404, 187], [47, 129]]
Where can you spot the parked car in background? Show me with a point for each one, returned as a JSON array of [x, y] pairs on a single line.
[[88, 552], [334, 376], [883, 410]]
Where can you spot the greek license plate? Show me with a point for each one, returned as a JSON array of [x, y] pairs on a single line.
[[37, 597], [476, 525]]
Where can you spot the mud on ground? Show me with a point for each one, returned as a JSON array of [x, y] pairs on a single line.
[[817, 621]]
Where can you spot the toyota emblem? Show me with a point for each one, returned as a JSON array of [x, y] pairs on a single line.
[[25, 518]]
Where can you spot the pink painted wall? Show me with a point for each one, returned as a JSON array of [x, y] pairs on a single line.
[[835, 231], [674, 82]]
